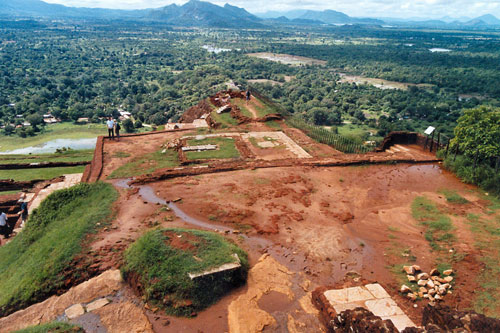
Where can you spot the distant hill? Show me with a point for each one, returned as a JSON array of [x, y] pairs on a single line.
[[197, 13], [325, 17], [38, 8], [205, 14]]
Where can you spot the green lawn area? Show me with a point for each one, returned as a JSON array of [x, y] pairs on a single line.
[[359, 133], [145, 164], [40, 173], [227, 149], [224, 119], [241, 103], [53, 132], [486, 231], [31, 265], [66, 156], [438, 225], [264, 109], [54, 327], [161, 260]]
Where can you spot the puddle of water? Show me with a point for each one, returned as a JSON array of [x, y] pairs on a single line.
[[438, 49], [274, 301], [52, 146], [148, 194]]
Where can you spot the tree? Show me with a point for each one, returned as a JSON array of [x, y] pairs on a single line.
[[35, 120], [128, 125], [478, 132], [138, 124], [9, 129]]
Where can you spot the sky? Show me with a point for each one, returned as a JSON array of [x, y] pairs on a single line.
[[356, 8]]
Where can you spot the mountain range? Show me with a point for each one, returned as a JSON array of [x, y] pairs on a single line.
[[197, 13]]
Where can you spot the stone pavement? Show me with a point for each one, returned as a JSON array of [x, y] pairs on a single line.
[[372, 297], [69, 180]]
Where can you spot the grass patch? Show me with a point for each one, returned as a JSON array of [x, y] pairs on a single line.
[[10, 192], [224, 119], [438, 225], [453, 197], [64, 156], [53, 132], [145, 164], [486, 232], [227, 149], [54, 327], [40, 173], [161, 259], [274, 124], [242, 105], [31, 265]]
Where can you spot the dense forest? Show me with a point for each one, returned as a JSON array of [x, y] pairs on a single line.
[[73, 71]]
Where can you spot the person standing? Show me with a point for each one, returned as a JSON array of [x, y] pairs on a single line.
[[111, 124], [24, 213], [4, 228], [117, 130], [247, 95]]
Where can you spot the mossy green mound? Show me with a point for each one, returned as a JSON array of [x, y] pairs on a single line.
[[158, 266], [32, 265]]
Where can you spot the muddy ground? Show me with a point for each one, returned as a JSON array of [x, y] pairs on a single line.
[[325, 226]]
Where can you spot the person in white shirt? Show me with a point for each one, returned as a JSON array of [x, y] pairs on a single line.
[[4, 228], [111, 126]]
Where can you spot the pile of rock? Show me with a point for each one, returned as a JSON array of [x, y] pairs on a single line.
[[431, 286]]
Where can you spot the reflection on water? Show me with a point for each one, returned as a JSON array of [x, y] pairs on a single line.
[[52, 146]]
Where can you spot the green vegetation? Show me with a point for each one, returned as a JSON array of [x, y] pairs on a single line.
[[161, 259], [54, 327], [39, 173], [438, 225], [32, 264], [145, 164], [227, 149], [53, 132], [224, 119], [241, 103], [453, 197], [63, 156], [478, 142], [322, 135], [486, 232]]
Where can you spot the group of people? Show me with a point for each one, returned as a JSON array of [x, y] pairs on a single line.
[[113, 128]]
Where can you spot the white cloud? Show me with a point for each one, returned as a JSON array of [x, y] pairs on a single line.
[[367, 8]]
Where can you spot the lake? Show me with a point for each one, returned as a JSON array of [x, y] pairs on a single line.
[[51, 146], [438, 49]]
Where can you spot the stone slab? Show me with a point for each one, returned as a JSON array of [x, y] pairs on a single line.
[[74, 311], [377, 290], [222, 268], [383, 307], [97, 304], [400, 321]]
